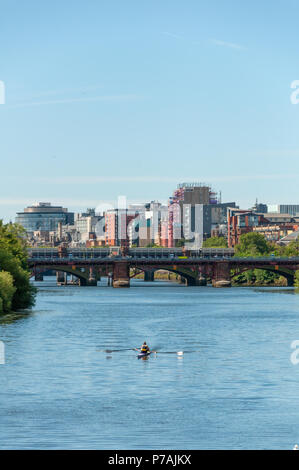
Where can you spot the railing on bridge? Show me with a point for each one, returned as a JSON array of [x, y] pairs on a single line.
[[135, 253], [73, 253]]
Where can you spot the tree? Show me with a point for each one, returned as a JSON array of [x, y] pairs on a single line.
[[215, 242], [292, 249], [252, 244], [7, 291], [13, 261], [153, 245]]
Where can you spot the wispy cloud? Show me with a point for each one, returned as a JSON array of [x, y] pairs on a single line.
[[70, 91], [172, 35], [181, 38], [111, 98], [82, 180], [230, 45], [216, 42]]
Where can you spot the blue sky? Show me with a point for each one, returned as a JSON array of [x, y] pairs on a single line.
[[114, 97]]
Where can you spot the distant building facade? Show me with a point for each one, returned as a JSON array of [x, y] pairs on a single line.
[[259, 207], [194, 214], [116, 226], [292, 209], [86, 223], [44, 217]]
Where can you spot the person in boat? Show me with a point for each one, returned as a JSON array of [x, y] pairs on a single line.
[[144, 348]]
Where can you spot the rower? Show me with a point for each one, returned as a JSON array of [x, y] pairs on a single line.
[[144, 348]]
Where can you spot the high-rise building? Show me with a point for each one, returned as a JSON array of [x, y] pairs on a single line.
[[194, 212], [148, 222], [116, 226], [44, 217]]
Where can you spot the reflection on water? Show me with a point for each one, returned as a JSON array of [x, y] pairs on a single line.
[[72, 379], [277, 290]]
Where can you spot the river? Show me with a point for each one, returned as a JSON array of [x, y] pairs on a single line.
[[235, 387]]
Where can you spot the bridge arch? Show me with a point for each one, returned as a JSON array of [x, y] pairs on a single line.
[[288, 274], [190, 276], [82, 276]]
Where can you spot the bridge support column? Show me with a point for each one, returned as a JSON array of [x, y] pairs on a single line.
[[201, 280], [61, 278], [121, 274], [221, 275], [149, 276], [39, 277], [92, 278]]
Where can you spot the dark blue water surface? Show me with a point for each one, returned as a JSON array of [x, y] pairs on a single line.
[[234, 388]]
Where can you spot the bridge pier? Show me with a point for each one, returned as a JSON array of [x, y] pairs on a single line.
[[221, 275], [149, 276], [61, 278], [92, 281], [121, 274], [202, 280], [39, 277]]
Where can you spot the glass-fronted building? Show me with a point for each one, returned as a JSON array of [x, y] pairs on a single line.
[[292, 209], [44, 217]]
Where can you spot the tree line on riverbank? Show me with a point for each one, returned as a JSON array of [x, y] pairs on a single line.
[[253, 244], [16, 292]]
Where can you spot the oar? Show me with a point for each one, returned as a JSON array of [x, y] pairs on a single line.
[[179, 353], [117, 350]]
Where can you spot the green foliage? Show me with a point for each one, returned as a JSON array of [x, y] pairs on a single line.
[[14, 268], [296, 282], [215, 242], [7, 291], [258, 277], [13, 239], [180, 243], [153, 245], [292, 249], [252, 244]]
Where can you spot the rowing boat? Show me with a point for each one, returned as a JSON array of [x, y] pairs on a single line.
[[143, 354]]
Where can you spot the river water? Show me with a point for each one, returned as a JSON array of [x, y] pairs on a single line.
[[235, 387]]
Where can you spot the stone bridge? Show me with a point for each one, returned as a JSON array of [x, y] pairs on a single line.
[[220, 266]]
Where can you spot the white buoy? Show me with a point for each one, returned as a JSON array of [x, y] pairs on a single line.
[[180, 353], [296, 447]]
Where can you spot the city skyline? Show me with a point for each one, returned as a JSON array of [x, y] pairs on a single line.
[[101, 205], [101, 102]]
